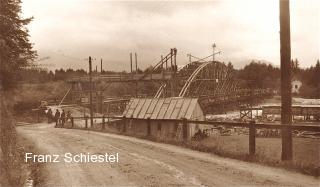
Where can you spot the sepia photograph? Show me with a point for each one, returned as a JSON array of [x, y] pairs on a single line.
[[210, 93]]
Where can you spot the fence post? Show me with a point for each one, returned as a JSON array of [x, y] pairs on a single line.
[[103, 123], [86, 119], [124, 124], [252, 138], [185, 129], [149, 126], [72, 122]]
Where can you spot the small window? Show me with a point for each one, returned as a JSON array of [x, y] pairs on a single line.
[[159, 126], [296, 86]]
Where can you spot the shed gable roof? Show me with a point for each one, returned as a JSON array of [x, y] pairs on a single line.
[[161, 108]]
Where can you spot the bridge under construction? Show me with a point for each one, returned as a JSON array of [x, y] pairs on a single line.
[[212, 82]]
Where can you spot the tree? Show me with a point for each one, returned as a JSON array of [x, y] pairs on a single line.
[[16, 49], [295, 65], [316, 79], [260, 75], [230, 67], [16, 53], [316, 74]]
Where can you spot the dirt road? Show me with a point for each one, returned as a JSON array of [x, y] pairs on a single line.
[[145, 163]]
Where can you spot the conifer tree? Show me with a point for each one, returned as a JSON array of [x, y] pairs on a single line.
[[15, 53]]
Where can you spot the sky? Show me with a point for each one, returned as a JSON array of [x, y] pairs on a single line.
[[68, 31]]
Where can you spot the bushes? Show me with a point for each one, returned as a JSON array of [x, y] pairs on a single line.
[[309, 91], [24, 106]]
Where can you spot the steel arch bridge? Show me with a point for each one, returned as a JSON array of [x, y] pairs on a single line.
[[209, 78], [211, 81], [202, 79]]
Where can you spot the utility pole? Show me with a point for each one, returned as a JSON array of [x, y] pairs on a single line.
[[101, 66], [174, 68], [136, 59], [171, 53], [131, 62], [100, 97], [286, 100], [90, 83], [213, 50], [251, 97], [175, 58]]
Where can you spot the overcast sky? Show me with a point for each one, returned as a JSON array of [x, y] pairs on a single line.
[[68, 31]]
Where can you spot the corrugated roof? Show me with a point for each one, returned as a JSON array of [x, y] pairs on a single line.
[[161, 108]]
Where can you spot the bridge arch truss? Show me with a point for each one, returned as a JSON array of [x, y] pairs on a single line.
[[207, 79]]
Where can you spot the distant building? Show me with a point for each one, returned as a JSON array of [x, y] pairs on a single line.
[[162, 109], [296, 85]]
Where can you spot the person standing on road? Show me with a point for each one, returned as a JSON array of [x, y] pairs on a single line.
[[63, 118], [49, 115], [56, 117], [68, 116]]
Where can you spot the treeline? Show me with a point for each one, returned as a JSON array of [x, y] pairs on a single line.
[[40, 75], [261, 75], [310, 79], [256, 74]]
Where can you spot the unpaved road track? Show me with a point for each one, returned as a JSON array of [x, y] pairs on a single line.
[[146, 163]]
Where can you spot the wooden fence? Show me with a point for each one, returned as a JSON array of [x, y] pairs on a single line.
[[251, 125]]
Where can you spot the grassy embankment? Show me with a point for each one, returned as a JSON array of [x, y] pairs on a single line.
[[13, 170], [29, 96], [306, 156]]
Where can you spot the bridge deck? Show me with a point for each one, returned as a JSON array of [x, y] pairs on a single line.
[[125, 77]]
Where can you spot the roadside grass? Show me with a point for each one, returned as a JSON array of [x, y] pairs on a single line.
[[306, 156], [19, 173], [3, 175], [28, 97], [36, 92], [32, 170]]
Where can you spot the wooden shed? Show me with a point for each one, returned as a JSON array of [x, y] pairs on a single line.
[[139, 110]]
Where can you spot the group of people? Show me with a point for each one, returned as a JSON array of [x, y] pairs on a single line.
[[59, 118]]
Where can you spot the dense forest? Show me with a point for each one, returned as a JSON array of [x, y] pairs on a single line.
[[262, 75], [256, 74]]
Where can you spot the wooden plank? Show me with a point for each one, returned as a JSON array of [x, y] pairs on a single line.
[[145, 108], [152, 106], [132, 108], [171, 108], [252, 139], [184, 108], [127, 107], [177, 109], [138, 108], [164, 108], [191, 107], [157, 109]]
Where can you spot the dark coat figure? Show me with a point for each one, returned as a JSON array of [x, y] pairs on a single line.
[[63, 118], [56, 117], [68, 115], [49, 115]]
